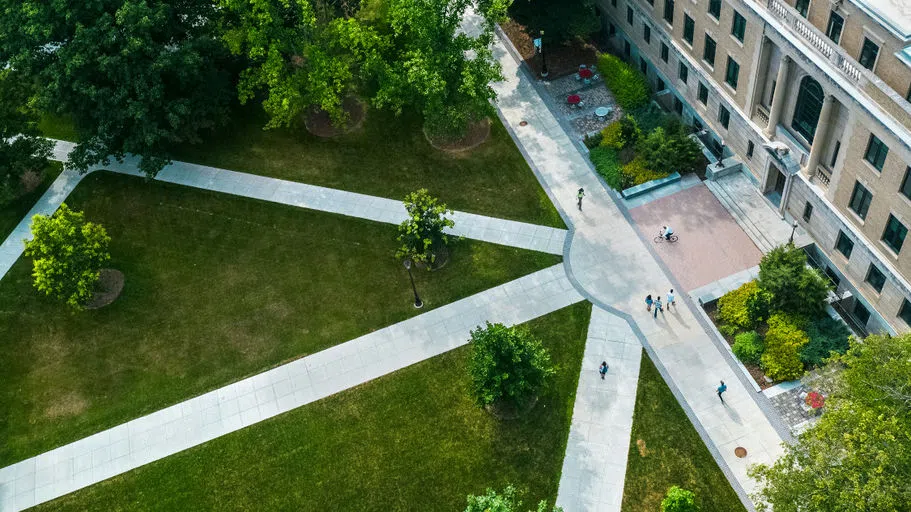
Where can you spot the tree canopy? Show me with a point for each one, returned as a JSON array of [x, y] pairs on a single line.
[[561, 20], [21, 149], [136, 76]]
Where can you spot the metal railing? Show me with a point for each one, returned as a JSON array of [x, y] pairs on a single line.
[[823, 175], [763, 114]]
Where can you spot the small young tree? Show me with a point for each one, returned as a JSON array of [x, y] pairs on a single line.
[[795, 288], [422, 236], [505, 501], [68, 252], [679, 500], [507, 365]]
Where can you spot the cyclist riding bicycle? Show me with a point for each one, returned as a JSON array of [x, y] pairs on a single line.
[[667, 232]]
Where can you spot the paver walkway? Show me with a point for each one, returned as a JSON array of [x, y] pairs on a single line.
[[595, 462], [281, 389], [614, 267]]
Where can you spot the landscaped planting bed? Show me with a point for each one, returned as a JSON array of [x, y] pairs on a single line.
[[217, 288], [411, 440]]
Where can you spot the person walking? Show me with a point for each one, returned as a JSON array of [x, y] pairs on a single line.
[[648, 302], [670, 299], [603, 369], [658, 306], [580, 195], [721, 389]]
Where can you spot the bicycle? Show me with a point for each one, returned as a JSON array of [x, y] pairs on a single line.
[[660, 238]]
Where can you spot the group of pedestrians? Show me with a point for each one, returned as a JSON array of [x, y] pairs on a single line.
[[656, 305]]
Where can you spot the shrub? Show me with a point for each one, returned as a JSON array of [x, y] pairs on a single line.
[[621, 134], [507, 365], [679, 500], [826, 335], [650, 116], [759, 306], [637, 172], [795, 288], [783, 342], [505, 501], [732, 307], [607, 163], [423, 234], [626, 83], [68, 252], [748, 347], [671, 150], [592, 141]]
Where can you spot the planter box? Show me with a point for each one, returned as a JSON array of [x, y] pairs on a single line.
[[649, 186]]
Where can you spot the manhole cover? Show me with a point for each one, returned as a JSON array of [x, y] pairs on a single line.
[[523, 123], [740, 452]]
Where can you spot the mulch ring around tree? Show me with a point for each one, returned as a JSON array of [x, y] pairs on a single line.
[[509, 411], [478, 133], [318, 123], [441, 258], [562, 59], [107, 289]]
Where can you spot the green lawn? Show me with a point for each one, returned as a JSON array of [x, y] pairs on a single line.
[[12, 213], [387, 157], [675, 454], [217, 288], [411, 440]]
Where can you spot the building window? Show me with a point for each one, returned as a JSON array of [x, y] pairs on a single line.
[[703, 94], [906, 183], [750, 147], [665, 52], [643, 65], [647, 33], [683, 72], [733, 73], [697, 126], [833, 276], [861, 313], [835, 153], [876, 152], [613, 3], [659, 85], [627, 49], [833, 29], [802, 6], [908, 96], [807, 211], [875, 278], [894, 234], [843, 244], [708, 54], [629, 15], [868, 54], [669, 11], [724, 116], [905, 311], [689, 29], [738, 26], [678, 106], [715, 8], [807, 109], [860, 200]]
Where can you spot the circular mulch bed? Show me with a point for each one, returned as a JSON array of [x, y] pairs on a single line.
[[318, 123], [440, 261], [107, 289], [478, 133], [505, 411]]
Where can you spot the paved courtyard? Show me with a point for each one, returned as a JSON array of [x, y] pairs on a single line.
[[712, 245]]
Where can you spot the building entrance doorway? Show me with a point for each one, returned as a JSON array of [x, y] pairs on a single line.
[[775, 185]]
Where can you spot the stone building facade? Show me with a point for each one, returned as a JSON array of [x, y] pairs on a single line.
[[813, 98]]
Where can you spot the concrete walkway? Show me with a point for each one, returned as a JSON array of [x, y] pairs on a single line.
[[594, 466], [615, 269], [279, 390]]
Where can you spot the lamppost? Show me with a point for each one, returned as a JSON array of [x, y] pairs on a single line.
[[544, 72], [793, 229], [418, 303]]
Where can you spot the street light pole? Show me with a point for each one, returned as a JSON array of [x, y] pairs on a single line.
[[418, 303], [544, 72], [793, 229]]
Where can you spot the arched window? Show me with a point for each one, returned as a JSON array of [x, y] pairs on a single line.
[[809, 104]]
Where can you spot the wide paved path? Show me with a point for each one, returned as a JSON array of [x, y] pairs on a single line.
[[613, 267]]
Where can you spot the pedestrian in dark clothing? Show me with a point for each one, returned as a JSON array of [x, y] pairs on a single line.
[[658, 307], [603, 369], [721, 389], [580, 195], [648, 302]]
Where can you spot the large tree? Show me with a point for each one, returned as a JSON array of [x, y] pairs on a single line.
[[22, 151], [858, 455], [135, 76], [561, 20]]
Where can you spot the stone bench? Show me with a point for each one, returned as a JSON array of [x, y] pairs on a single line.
[[648, 186]]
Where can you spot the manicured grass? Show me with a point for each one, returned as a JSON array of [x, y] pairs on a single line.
[[12, 213], [411, 440], [675, 454], [387, 157], [217, 288]]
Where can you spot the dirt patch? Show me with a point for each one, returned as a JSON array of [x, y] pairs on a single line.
[[108, 288], [318, 123], [640, 445], [508, 411], [562, 59], [66, 406], [478, 133]]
